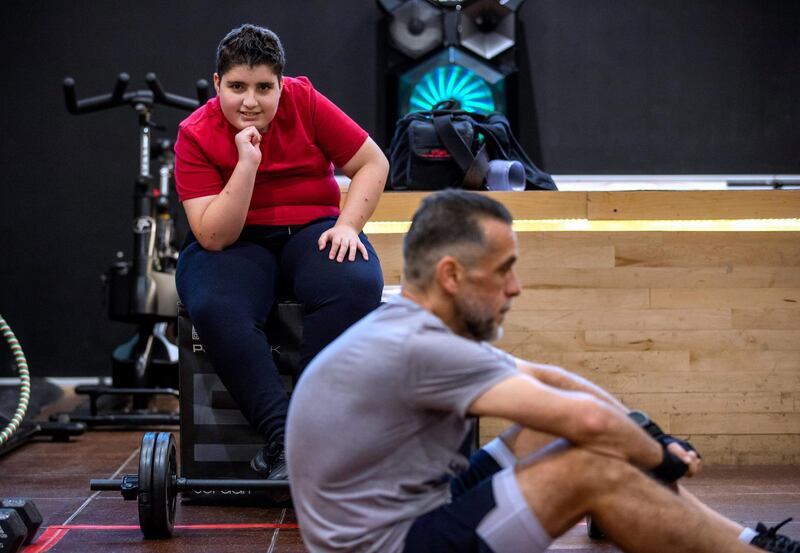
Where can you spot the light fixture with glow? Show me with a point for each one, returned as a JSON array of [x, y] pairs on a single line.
[[452, 74]]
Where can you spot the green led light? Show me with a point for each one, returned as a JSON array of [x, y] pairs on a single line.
[[452, 81]]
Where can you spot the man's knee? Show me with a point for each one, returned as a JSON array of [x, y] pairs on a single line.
[[579, 469]]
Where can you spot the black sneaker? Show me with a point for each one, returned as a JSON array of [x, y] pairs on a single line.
[[270, 462], [768, 539], [260, 463], [277, 466]]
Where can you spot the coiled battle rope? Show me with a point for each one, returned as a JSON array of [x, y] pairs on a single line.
[[25, 382]]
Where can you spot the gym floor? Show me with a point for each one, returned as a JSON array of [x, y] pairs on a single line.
[[56, 476]]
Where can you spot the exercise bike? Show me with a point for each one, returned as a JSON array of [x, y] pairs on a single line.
[[141, 291]]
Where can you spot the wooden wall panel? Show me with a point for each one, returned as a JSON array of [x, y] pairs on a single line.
[[662, 277], [730, 249], [400, 206], [700, 329], [621, 319], [693, 340], [753, 449], [685, 403], [764, 298], [735, 423], [756, 361], [741, 204], [705, 382], [567, 299], [766, 318], [390, 251]]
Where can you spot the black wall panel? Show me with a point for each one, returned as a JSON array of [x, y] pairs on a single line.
[[606, 86], [632, 86]]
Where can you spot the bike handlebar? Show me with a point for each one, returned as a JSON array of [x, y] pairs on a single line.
[[156, 95]]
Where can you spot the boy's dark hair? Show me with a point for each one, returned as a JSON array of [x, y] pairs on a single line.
[[448, 223], [251, 45]]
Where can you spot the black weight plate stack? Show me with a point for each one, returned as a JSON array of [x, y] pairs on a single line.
[[145, 499], [164, 495]]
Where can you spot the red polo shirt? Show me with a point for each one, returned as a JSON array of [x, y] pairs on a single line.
[[294, 183]]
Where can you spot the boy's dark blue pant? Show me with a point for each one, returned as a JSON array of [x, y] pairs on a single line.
[[229, 294]]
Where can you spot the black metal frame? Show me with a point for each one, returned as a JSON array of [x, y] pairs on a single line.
[[141, 291]]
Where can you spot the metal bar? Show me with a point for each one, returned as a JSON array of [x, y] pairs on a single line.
[[105, 485], [124, 419], [191, 484], [112, 391]]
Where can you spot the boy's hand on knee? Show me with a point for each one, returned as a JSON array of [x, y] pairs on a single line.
[[344, 243]]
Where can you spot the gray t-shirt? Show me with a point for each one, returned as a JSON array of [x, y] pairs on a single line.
[[375, 424]]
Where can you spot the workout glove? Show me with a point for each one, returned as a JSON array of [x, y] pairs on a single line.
[[671, 467]]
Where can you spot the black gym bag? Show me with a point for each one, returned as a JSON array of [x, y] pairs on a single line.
[[451, 148]]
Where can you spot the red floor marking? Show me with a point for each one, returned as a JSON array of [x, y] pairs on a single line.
[[256, 526], [49, 538], [54, 534]]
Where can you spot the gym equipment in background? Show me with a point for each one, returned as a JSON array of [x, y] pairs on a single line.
[[217, 443], [142, 291], [15, 430]]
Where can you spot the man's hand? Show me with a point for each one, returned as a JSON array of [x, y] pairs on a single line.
[[344, 242], [248, 143], [689, 457]]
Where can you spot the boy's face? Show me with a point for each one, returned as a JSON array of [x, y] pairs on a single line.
[[248, 95]]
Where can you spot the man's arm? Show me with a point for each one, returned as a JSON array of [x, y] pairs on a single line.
[[566, 380], [579, 416]]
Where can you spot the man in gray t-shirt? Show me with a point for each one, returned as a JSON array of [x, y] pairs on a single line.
[[383, 411], [376, 423]]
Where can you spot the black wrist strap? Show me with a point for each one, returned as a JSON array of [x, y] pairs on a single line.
[[666, 439], [654, 430], [670, 469]]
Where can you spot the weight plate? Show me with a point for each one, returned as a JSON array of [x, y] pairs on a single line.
[[144, 498], [164, 495]]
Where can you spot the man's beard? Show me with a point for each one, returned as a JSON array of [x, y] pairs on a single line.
[[477, 319]]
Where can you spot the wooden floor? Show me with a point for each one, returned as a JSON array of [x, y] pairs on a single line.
[[56, 476]]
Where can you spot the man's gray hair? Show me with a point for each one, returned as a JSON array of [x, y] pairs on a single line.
[[448, 223]]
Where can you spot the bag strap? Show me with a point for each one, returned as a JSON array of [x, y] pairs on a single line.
[[474, 167]]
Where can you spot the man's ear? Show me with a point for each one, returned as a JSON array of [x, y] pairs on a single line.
[[448, 274], [217, 80]]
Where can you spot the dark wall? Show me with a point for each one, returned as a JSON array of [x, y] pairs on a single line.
[[607, 86], [687, 86]]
